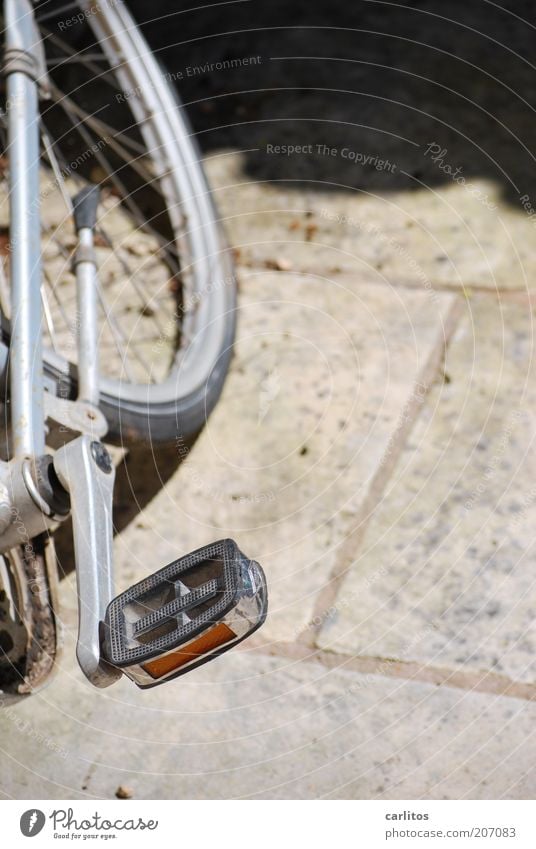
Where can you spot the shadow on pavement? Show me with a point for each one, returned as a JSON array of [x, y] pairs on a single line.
[[380, 79]]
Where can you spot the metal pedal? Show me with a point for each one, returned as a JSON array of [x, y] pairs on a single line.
[[185, 614]]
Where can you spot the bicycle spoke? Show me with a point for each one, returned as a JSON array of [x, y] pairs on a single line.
[[143, 295], [52, 158], [115, 330], [54, 12], [70, 52], [82, 58], [48, 318], [121, 188], [100, 126], [61, 309]]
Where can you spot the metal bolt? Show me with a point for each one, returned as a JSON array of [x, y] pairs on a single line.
[[101, 457]]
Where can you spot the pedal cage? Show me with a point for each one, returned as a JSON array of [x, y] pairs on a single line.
[[185, 614]]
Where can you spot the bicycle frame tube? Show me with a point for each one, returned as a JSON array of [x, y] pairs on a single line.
[[26, 362]]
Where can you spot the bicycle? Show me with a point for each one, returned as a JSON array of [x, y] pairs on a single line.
[[118, 307]]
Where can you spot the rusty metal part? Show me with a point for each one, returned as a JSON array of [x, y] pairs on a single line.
[[27, 618]]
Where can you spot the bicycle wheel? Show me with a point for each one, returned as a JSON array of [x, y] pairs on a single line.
[[166, 284]]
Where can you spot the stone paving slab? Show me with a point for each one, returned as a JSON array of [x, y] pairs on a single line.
[[445, 575], [454, 236], [316, 395], [257, 727]]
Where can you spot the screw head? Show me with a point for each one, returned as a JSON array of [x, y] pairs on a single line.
[[101, 457]]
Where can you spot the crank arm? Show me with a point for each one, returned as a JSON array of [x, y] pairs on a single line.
[[86, 471]]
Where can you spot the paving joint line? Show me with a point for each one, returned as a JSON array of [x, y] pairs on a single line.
[[484, 681], [327, 596]]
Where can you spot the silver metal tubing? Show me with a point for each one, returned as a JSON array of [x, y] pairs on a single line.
[[26, 363], [86, 289]]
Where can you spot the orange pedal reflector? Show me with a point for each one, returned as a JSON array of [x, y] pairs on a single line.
[[212, 639]]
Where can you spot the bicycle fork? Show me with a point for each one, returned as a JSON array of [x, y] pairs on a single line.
[[194, 608]]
